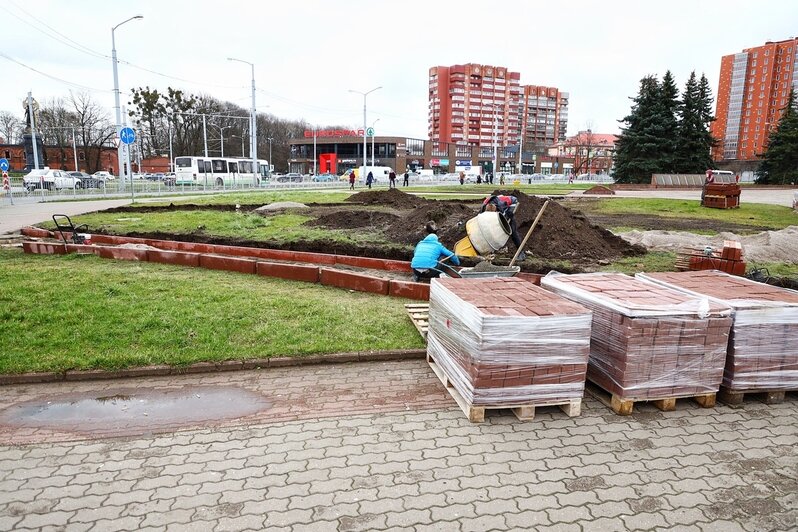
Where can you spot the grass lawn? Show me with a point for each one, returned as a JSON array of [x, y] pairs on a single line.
[[774, 216], [82, 312]]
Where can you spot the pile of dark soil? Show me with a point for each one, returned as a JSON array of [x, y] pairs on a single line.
[[561, 234], [392, 197], [344, 219], [449, 216], [600, 189]]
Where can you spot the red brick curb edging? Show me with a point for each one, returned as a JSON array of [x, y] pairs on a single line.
[[209, 367]]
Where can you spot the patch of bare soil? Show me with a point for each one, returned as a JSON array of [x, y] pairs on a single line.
[[562, 234]]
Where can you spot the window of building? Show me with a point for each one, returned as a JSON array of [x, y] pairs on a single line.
[[81, 156]]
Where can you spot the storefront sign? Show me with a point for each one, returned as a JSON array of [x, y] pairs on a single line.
[[334, 133]]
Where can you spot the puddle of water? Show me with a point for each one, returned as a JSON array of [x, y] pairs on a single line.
[[135, 409]]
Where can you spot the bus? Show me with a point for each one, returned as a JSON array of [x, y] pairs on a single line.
[[219, 171]]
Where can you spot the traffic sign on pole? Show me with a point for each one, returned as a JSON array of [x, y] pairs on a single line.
[[370, 131], [127, 135], [4, 165]]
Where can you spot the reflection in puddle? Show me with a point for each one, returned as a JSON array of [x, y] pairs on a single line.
[[135, 409]]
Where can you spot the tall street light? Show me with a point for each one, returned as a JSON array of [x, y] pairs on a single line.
[[117, 108], [373, 134], [364, 120], [271, 163], [253, 136]]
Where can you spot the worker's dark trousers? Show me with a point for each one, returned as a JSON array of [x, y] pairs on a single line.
[[514, 228]]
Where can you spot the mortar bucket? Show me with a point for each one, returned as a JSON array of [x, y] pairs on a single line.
[[488, 232], [463, 248]]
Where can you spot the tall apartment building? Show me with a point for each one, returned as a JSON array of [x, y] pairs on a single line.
[[752, 92], [469, 104]]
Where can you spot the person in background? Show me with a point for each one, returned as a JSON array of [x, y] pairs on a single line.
[[430, 254], [479, 179], [462, 177], [407, 179], [707, 181], [490, 177], [506, 206], [392, 179], [369, 179], [352, 180]]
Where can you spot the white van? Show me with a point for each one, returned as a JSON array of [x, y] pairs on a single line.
[[379, 173]]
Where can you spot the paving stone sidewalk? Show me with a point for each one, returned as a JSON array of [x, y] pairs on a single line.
[[720, 469]]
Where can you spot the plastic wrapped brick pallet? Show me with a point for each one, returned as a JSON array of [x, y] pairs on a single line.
[[763, 351], [648, 342], [504, 341]]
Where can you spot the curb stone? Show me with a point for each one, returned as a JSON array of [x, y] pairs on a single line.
[[211, 367]]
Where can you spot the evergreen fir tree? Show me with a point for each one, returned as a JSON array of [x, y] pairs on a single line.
[[779, 164], [692, 152], [638, 150], [705, 102], [669, 100]]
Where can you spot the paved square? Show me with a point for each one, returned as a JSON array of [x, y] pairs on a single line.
[[406, 466]]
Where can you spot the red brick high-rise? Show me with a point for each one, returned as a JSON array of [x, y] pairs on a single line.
[[466, 103], [753, 90]]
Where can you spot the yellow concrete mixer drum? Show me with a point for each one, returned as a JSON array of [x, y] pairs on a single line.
[[487, 233]]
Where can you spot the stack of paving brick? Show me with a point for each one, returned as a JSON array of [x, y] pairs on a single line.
[[722, 195], [763, 351], [729, 259], [648, 342], [504, 341]]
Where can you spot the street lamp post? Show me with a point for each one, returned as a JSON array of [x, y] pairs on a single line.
[[253, 137], [117, 108], [271, 163], [373, 134], [364, 121]]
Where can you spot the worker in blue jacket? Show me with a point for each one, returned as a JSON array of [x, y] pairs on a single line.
[[430, 254]]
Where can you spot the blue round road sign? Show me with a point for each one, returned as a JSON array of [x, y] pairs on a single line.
[[127, 135], [4, 166]]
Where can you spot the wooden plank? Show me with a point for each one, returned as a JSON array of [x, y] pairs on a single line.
[[624, 406], [736, 397], [419, 315]]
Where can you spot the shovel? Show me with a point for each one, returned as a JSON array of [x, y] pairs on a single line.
[[529, 233]]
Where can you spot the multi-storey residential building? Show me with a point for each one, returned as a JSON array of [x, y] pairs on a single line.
[[753, 91], [482, 106]]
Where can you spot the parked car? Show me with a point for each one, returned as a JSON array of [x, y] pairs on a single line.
[[157, 176], [88, 181], [50, 179], [290, 177], [137, 175], [324, 178], [106, 176]]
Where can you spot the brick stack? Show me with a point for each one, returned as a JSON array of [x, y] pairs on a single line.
[[722, 195], [648, 342], [729, 259], [504, 341], [763, 350]]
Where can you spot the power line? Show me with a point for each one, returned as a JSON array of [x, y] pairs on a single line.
[[77, 85]]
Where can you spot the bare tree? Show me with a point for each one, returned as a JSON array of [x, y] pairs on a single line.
[[93, 127], [10, 127]]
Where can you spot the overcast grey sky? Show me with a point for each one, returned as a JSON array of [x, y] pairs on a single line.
[[309, 53]]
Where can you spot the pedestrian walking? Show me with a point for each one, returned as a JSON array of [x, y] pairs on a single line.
[[352, 180], [369, 179], [407, 180], [462, 177], [392, 179]]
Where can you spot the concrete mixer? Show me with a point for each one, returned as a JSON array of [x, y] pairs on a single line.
[[487, 233]]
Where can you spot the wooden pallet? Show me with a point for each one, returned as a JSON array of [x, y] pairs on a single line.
[[736, 397], [623, 406], [476, 414], [419, 315]]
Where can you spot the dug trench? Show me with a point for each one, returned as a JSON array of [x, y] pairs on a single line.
[[564, 239]]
